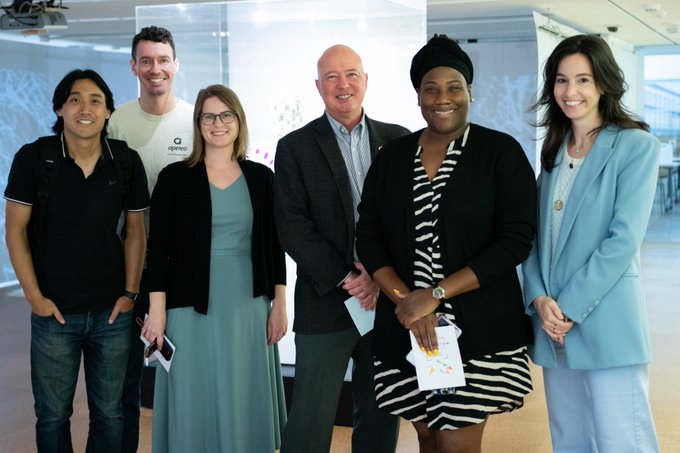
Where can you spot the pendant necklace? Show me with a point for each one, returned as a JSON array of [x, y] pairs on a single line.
[[577, 151], [558, 205], [572, 163]]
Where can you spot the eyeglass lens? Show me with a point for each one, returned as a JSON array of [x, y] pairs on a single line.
[[209, 119]]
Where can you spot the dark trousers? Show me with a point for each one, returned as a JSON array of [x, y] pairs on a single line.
[[320, 365], [133, 376]]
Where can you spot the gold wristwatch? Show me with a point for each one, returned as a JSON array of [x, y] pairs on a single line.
[[439, 293]]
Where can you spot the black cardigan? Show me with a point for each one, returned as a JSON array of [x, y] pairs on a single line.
[[178, 261], [487, 218]]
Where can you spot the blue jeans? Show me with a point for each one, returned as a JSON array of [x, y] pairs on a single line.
[[55, 361], [132, 390]]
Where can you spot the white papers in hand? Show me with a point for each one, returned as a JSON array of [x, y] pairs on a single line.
[[444, 370], [362, 319], [157, 356]]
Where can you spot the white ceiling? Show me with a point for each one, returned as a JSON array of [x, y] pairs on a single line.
[[507, 19], [112, 22]]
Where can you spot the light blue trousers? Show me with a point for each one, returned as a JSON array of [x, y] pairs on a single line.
[[599, 411]]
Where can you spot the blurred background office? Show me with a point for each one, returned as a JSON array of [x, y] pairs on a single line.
[[266, 51]]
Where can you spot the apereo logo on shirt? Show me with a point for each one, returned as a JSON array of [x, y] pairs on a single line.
[[178, 146]]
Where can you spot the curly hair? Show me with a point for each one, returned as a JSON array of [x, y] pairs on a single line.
[[153, 34]]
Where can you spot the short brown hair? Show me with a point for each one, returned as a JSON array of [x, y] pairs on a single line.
[[153, 34]]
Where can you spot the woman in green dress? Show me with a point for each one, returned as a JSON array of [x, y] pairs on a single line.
[[217, 276]]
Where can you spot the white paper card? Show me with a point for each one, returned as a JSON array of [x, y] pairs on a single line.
[[444, 370], [362, 319], [157, 354]]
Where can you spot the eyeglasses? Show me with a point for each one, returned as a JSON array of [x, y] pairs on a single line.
[[208, 119]]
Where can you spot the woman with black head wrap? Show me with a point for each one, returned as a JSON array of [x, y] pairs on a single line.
[[447, 213]]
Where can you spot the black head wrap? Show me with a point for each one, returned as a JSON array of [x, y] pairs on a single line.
[[440, 51]]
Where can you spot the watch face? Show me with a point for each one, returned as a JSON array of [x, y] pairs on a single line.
[[438, 293]]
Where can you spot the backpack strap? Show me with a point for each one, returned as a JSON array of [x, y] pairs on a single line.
[[51, 154], [120, 153]]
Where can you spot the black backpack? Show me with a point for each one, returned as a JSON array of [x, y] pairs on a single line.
[[50, 162]]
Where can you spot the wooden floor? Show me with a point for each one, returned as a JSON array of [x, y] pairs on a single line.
[[523, 431]]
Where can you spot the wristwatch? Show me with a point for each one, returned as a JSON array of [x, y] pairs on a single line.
[[439, 293], [130, 295]]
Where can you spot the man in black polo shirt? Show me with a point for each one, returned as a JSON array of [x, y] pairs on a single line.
[[79, 277]]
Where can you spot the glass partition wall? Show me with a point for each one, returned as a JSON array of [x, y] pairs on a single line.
[[267, 51]]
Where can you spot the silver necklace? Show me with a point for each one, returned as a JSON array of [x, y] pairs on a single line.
[[578, 149]]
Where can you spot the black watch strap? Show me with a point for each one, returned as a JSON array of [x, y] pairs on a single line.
[[130, 295]]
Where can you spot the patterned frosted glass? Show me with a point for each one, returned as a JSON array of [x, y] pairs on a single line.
[[28, 75]]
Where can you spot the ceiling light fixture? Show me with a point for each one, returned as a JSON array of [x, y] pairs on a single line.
[[26, 17], [650, 7]]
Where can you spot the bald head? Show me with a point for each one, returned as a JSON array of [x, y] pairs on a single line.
[[342, 84], [338, 51]]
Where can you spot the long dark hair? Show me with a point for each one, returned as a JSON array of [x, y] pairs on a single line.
[[608, 78]]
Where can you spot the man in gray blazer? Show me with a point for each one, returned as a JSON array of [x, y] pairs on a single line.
[[320, 170]]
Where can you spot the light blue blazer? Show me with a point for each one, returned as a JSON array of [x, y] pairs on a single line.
[[594, 273]]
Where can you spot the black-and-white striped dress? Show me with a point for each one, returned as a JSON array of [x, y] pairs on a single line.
[[495, 383]]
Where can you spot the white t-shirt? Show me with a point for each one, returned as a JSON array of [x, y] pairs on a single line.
[[159, 139]]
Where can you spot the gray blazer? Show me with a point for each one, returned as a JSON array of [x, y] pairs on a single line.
[[315, 219]]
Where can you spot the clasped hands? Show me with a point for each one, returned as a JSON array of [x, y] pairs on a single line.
[[555, 323], [415, 311]]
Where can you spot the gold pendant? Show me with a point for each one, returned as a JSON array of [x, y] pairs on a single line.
[[558, 205]]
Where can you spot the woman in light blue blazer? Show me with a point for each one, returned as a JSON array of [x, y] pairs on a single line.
[[582, 281]]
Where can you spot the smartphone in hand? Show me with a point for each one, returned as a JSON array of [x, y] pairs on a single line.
[[166, 350]]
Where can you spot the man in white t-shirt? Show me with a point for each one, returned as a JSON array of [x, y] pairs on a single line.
[[159, 126]]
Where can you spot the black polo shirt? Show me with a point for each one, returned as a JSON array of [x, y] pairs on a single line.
[[79, 264]]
